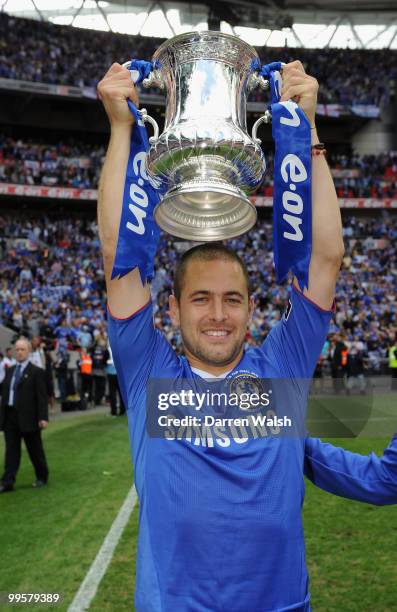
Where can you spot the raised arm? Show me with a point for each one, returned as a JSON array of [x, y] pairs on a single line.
[[369, 479], [327, 241], [125, 295]]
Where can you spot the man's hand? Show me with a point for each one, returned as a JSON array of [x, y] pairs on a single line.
[[327, 242], [301, 88], [114, 90], [43, 424], [126, 295]]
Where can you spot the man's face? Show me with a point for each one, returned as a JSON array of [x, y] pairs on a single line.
[[213, 312], [22, 350], [35, 342]]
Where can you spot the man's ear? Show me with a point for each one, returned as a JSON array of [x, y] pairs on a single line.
[[251, 307], [173, 310]]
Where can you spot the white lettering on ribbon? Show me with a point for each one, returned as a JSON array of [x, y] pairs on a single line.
[[294, 223], [139, 199], [293, 171], [291, 107], [278, 83], [139, 215]]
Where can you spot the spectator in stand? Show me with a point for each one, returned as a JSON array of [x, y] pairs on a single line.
[[9, 360], [393, 364], [41, 358], [85, 365], [339, 362], [2, 372], [355, 369], [37, 356], [99, 358], [84, 338], [61, 368]]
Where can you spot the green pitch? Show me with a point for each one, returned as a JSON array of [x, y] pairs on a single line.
[[49, 537]]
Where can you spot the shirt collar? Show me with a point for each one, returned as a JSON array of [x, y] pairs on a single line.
[[23, 364]]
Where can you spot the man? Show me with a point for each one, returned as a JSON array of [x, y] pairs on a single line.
[[23, 414], [40, 357], [61, 368], [37, 356], [85, 364], [8, 360], [392, 353], [355, 369], [220, 525], [113, 385], [339, 363]]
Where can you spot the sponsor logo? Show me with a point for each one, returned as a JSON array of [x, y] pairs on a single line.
[[138, 196], [293, 172]]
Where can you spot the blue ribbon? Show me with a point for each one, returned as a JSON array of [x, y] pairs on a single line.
[[138, 233], [292, 203]]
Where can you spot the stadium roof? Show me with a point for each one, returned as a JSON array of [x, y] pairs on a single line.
[[307, 23]]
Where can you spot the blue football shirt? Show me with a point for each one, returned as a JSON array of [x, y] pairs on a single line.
[[220, 525]]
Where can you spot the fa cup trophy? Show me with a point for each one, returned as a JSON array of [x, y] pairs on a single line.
[[205, 156]]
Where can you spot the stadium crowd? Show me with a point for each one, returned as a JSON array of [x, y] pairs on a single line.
[[52, 283], [76, 164], [71, 56], [71, 164]]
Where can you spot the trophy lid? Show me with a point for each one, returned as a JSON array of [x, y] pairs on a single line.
[[203, 45]]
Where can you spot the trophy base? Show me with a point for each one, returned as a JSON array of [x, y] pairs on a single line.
[[204, 212]]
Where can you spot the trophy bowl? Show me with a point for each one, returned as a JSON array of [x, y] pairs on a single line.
[[205, 156]]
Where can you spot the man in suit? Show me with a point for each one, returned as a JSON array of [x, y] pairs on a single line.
[[23, 414]]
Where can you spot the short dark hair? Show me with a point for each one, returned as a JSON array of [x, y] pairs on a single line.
[[209, 251]]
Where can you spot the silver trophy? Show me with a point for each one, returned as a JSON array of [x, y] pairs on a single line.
[[205, 154]]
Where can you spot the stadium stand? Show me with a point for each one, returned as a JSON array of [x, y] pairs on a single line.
[[78, 165], [63, 55]]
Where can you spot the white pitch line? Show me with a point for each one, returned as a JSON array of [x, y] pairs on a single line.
[[89, 586]]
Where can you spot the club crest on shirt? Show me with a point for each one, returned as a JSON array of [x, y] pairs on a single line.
[[245, 384]]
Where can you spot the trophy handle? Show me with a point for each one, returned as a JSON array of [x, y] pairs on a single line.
[[266, 118], [154, 79], [147, 118], [257, 80]]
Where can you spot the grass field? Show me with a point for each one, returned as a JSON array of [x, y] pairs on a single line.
[[49, 537]]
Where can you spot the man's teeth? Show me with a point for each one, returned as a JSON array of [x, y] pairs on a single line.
[[216, 333]]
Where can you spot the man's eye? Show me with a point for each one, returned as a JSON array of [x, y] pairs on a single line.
[[234, 301], [200, 299]]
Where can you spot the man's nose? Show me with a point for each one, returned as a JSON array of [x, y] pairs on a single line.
[[218, 310]]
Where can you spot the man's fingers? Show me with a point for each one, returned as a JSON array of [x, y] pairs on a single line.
[[307, 85], [116, 88], [295, 65], [122, 91], [114, 68], [297, 75], [293, 91]]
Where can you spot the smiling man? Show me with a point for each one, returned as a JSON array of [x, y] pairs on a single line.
[[220, 523], [211, 306]]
